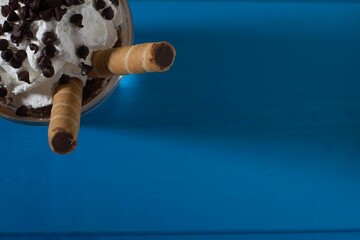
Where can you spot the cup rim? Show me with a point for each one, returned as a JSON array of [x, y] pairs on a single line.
[[127, 39]]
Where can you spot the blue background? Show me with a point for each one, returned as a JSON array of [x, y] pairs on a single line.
[[253, 134]]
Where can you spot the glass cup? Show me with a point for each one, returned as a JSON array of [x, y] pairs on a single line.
[[126, 33]]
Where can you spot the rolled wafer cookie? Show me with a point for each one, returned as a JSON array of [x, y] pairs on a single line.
[[141, 58], [65, 116]]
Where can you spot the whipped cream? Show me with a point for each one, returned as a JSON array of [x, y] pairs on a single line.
[[97, 33]]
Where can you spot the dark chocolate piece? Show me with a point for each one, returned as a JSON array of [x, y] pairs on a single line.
[[108, 13], [12, 17], [49, 51], [64, 79], [44, 61], [3, 91], [76, 19], [59, 13], [46, 15], [7, 27], [24, 76], [34, 47], [4, 44], [48, 71], [82, 52], [15, 63], [48, 38], [100, 4], [22, 111], [115, 2], [6, 55], [5, 10], [85, 69], [20, 55]]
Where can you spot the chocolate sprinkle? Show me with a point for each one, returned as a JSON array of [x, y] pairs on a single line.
[[54, 3], [48, 71], [48, 38], [49, 51], [34, 47], [24, 76], [7, 55], [4, 44], [82, 52], [3, 91], [5, 10], [22, 111], [78, 2], [76, 19], [108, 13], [85, 69]]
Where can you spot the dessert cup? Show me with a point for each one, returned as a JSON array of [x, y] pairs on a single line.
[[96, 90]]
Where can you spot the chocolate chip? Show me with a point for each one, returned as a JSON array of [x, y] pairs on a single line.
[[49, 51], [115, 2], [15, 39], [14, 5], [48, 71], [28, 35], [14, 63], [64, 79], [6, 55], [4, 44], [48, 38], [46, 15], [78, 2], [82, 52], [17, 31], [44, 61], [5, 10], [100, 4], [59, 13], [33, 15], [85, 69], [24, 12], [7, 27], [20, 55], [108, 13], [76, 19], [24, 76], [54, 3], [34, 47], [12, 17], [34, 4], [1, 30], [68, 2], [3, 91], [22, 111]]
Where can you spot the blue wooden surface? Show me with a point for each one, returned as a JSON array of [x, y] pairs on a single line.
[[256, 129]]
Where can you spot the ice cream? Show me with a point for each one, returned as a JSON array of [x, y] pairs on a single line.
[[43, 42]]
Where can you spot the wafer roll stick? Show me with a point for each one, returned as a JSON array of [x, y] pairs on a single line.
[[65, 117], [147, 57]]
